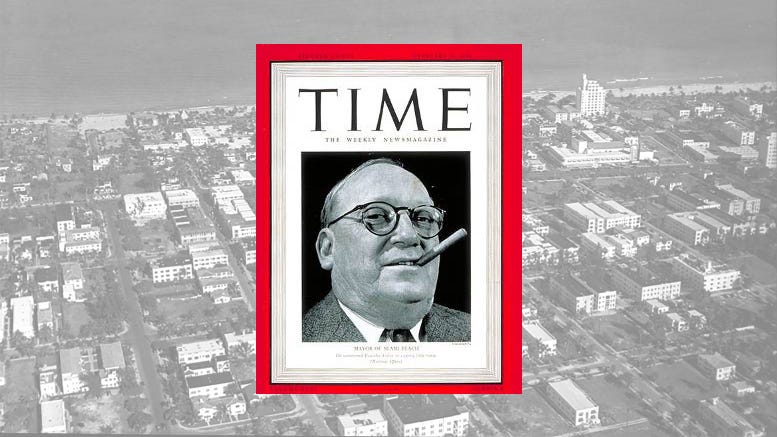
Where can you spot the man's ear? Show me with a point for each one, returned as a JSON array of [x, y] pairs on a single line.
[[325, 244]]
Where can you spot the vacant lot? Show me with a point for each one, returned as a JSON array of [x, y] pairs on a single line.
[[756, 268], [75, 316], [20, 396], [94, 414], [640, 430], [683, 382], [617, 331], [528, 414], [199, 309], [615, 405]]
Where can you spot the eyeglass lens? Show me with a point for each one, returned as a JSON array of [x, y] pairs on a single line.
[[381, 219]]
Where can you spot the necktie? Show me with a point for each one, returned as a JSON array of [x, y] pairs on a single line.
[[397, 335]]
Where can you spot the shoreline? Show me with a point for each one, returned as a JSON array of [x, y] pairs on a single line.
[[688, 89], [536, 94]]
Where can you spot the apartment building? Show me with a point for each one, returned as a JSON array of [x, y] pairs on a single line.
[[573, 402], [200, 351], [364, 423], [425, 415], [716, 366], [703, 274], [601, 216], [646, 281], [172, 268]]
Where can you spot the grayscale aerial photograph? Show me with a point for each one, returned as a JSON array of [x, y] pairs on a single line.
[[128, 219]]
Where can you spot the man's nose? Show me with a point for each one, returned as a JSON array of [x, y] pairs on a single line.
[[405, 231]]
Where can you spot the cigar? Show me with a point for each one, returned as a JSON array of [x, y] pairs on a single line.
[[442, 247]]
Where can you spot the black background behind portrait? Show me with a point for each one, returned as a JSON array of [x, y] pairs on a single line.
[[446, 176]]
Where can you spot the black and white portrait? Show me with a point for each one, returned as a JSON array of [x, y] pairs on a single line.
[[367, 219]]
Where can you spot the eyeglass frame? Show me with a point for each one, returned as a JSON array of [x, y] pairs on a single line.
[[397, 210]]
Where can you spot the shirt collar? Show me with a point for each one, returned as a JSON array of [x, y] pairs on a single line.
[[370, 331]]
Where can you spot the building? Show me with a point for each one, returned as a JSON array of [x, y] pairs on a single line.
[[44, 315], [702, 274], [236, 219], [676, 322], [716, 366], [738, 134], [767, 150], [184, 198], [540, 336], [590, 98], [603, 246], [747, 107], [656, 306], [47, 383], [111, 363], [200, 351], [698, 320], [3, 313], [573, 402], [222, 194], [233, 340], [569, 158], [646, 281], [143, 207], [196, 136], [54, 418], [601, 216], [741, 388], [2, 373], [209, 259], [722, 421], [684, 201], [47, 279], [751, 204], [72, 282], [83, 247], [425, 415], [246, 251], [584, 293], [684, 226], [537, 250], [5, 247], [212, 386], [364, 423], [70, 369], [172, 268], [63, 214], [23, 313]]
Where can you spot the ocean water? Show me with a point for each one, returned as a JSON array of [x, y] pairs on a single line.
[[90, 55]]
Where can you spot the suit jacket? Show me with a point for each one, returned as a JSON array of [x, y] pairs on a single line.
[[326, 322]]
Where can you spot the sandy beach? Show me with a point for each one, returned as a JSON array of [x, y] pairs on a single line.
[[689, 89]]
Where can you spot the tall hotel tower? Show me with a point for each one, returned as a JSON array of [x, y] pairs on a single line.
[[590, 98]]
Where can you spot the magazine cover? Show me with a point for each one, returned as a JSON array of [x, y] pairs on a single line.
[[387, 179]]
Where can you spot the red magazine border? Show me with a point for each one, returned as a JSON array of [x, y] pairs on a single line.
[[510, 56]]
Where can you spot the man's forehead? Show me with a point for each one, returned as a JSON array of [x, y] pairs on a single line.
[[382, 182]]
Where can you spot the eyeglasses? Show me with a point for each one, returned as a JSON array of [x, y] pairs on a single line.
[[382, 218]]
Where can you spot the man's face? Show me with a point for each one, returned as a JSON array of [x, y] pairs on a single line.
[[366, 276]]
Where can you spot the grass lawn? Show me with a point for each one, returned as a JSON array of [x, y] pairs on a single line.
[[612, 399], [20, 396], [65, 191], [75, 316], [273, 405], [528, 414], [127, 182], [58, 137], [683, 382], [756, 268], [617, 331], [95, 413]]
